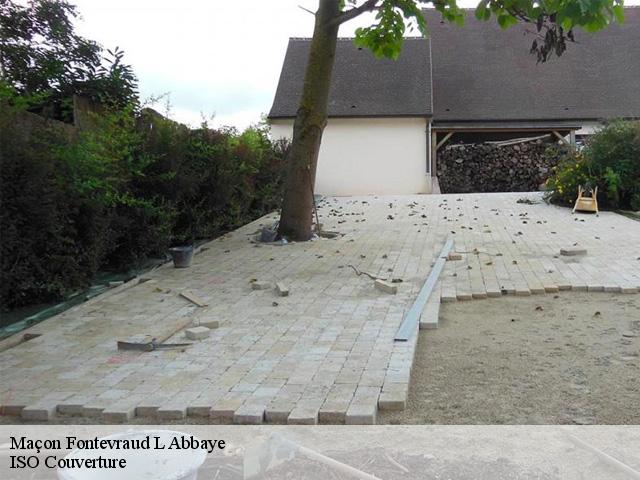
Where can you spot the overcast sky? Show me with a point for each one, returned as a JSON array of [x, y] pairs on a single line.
[[213, 57]]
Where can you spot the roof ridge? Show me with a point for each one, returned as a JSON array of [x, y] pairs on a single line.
[[308, 39], [472, 9]]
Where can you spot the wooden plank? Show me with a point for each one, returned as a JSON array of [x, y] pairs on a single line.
[[146, 343], [442, 142], [515, 141], [412, 317], [193, 298]]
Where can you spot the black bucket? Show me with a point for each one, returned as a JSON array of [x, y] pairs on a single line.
[[182, 256]]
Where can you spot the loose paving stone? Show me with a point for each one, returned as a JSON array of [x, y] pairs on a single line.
[[209, 323], [197, 333], [282, 289], [386, 287], [573, 251], [260, 285]]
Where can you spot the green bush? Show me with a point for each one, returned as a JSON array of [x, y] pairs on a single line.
[[124, 190], [571, 172], [610, 161], [40, 258], [215, 180]]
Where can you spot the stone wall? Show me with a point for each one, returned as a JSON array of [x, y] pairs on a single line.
[[31, 123]]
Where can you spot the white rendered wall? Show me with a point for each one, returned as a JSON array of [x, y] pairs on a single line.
[[363, 156], [589, 128]]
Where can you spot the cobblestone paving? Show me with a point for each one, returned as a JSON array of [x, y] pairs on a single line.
[[325, 353]]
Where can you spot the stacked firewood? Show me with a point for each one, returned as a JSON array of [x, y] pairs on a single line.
[[509, 166]]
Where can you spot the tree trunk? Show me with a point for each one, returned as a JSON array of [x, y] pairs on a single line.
[[311, 118]]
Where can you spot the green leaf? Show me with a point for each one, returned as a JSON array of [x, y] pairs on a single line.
[[567, 23], [506, 20], [618, 11], [482, 12]]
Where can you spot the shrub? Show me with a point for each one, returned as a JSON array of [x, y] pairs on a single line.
[[39, 257], [118, 193], [610, 161], [99, 171], [571, 171], [215, 180]]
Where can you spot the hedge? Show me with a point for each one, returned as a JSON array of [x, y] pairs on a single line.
[[118, 193]]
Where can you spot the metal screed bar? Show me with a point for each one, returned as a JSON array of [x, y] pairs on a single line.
[[410, 322]]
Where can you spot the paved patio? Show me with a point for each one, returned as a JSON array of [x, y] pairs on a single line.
[[326, 352]]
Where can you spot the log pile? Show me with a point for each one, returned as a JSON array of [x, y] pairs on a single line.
[[512, 166]]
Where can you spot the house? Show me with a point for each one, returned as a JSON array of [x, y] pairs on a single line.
[[387, 118]]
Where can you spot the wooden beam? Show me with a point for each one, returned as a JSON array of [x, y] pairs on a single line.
[[515, 141], [562, 139], [410, 322], [446, 137], [503, 129]]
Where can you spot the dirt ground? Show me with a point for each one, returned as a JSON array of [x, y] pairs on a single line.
[[548, 359]]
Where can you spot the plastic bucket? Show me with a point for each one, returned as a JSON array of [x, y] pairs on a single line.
[[147, 464], [182, 256]]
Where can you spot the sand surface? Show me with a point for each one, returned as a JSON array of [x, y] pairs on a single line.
[[545, 359]]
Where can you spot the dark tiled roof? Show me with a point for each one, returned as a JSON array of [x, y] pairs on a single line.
[[481, 72], [362, 85]]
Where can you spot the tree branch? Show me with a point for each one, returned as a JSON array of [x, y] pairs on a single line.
[[347, 15], [307, 10]]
